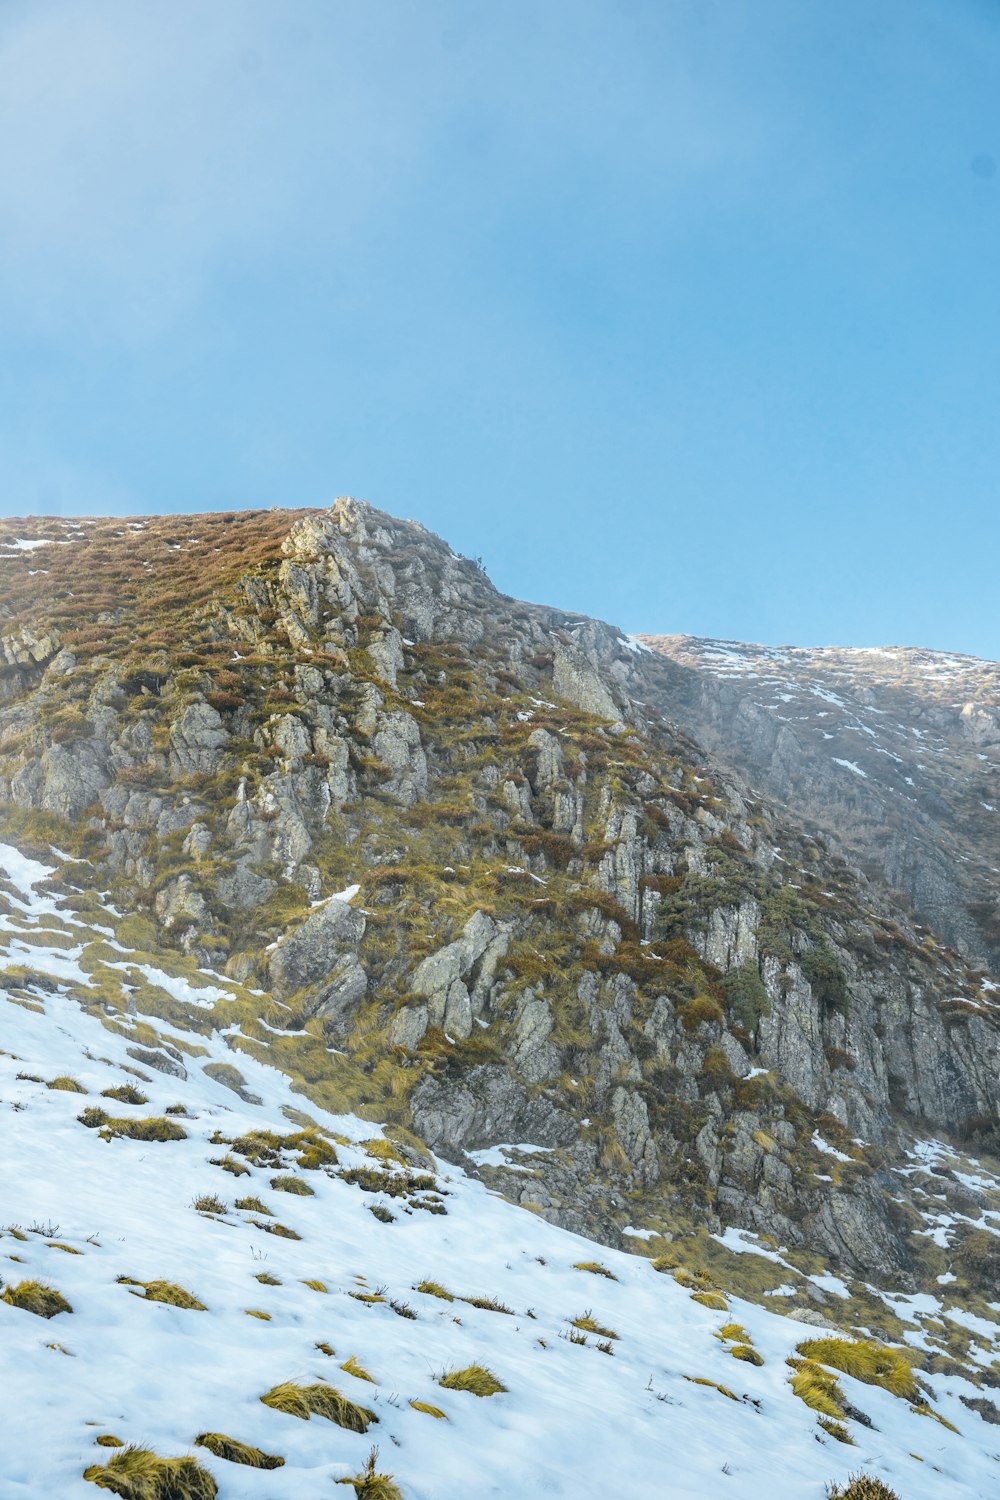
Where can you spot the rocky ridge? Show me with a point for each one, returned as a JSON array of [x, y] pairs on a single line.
[[463, 874]]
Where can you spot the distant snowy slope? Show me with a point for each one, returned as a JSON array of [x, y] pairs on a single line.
[[893, 752]]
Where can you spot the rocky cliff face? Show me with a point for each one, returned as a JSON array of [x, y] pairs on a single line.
[[894, 754], [468, 877]]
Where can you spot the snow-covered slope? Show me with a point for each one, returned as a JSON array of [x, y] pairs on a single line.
[[645, 1399]]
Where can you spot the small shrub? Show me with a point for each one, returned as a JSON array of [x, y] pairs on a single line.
[[255, 1312], [316, 1286], [862, 1487], [266, 1279], [699, 1010], [368, 1485], [138, 1474], [489, 1304], [235, 1452], [715, 1300], [352, 1367], [281, 1230], [319, 1400], [36, 1297], [382, 1214], [208, 1203], [252, 1205], [108, 1440], [589, 1324], [822, 969], [474, 1378], [746, 996]]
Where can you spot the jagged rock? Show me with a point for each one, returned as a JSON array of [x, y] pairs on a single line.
[[630, 1119], [159, 1061], [197, 741], [531, 1053], [575, 679], [440, 977], [397, 744], [487, 1106], [180, 902], [231, 1078], [321, 953], [409, 1026]]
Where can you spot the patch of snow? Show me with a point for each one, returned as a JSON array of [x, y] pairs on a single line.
[[850, 765]]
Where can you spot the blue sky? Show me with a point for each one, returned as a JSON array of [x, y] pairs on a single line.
[[683, 313]]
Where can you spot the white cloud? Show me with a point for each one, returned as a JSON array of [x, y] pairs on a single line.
[[150, 148]]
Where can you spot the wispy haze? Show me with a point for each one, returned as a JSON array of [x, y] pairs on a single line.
[[683, 313]]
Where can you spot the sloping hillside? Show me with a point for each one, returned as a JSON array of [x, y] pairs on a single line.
[[319, 800], [199, 1265]]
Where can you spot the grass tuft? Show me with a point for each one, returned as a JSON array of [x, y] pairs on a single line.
[[163, 1291], [434, 1289], [125, 1093], [836, 1430], [489, 1304], [595, 1268], [208, 1203], [66, 1084], [319, 1400], [235, 1452], [474, 1378], [151, 1129], [229, 1163], [429, 1410], [588, 1324], [36, 1297], [138, 1474], [291, 1184], [875, 1364]]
